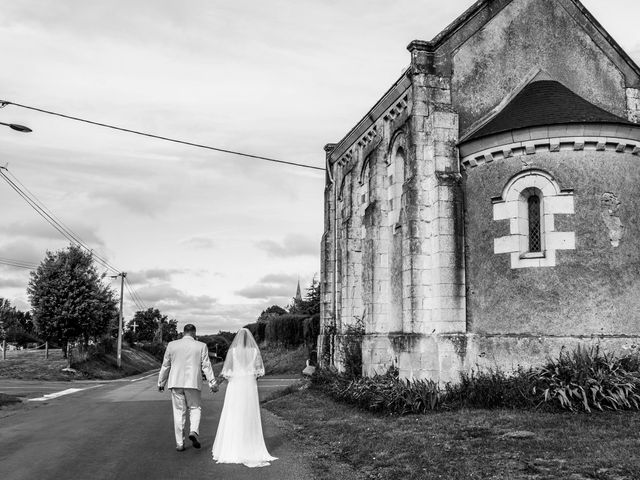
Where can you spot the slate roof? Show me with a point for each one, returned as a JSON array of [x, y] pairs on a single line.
[[545, 102]]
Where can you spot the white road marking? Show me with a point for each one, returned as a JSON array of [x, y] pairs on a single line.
[[68, 391], [146, 376]]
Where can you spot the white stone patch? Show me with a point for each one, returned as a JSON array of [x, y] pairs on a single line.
[[512, 206]]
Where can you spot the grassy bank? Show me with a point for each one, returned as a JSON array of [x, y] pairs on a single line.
[[282, 361], [345, 442], [32, 365]]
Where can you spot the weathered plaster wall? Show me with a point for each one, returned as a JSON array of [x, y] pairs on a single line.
[[593, 290], [528, 35]]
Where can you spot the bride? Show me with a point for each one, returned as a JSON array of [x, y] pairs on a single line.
[[239, 438]]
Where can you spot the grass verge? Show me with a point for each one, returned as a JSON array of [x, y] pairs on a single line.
[[32, 365], [470, 444], [280, 361]]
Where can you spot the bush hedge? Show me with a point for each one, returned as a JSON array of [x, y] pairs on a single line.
[[582, 380]]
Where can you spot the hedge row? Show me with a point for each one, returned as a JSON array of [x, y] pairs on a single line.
[[287, 330]]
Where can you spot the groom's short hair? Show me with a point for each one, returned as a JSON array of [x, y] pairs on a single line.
[[190, 328]]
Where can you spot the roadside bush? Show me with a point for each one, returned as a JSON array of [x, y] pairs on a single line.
[[310, 332], [286, 330], [257, 329]]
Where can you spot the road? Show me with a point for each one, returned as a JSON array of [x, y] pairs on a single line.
[[123, 430]]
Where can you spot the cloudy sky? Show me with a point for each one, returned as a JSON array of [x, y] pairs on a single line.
[[206, 237]]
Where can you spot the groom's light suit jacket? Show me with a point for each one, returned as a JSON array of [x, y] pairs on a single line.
[[183, 364]]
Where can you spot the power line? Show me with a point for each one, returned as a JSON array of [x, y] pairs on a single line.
[[46, 214], [160, 137], [18, 263], [134, 295]]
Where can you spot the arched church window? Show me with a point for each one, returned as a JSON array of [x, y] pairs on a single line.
[[530, 201], [535, 228], [395, 179]]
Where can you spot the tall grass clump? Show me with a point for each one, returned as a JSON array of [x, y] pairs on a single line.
[[382, 393], [585, 379], [581, 380], [493, 389]]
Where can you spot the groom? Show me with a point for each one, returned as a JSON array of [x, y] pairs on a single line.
[[183, 364]]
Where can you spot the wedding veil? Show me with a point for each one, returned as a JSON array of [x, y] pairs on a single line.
[[243, 357]]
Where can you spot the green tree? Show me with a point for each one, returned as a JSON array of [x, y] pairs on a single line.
[[15, 326], [69, 299], [271, 312], [310, 304], [152, 326]]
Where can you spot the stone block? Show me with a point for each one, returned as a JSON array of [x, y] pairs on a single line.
[[549, 223], [559, 204], [507, 244], [505, 210], [560, 241]]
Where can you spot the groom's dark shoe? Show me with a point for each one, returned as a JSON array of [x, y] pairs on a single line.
[[193, 436]]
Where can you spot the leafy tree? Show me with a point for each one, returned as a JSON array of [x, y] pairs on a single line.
[[271, 312], [15, 325], [310, 304], [69, 299], [152, 326]]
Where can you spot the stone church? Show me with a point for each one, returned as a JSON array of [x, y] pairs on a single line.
[[486, 211]]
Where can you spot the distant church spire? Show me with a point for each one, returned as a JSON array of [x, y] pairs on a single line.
[[298, 294]]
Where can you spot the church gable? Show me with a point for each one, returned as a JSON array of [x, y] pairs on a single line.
[[558, 36]]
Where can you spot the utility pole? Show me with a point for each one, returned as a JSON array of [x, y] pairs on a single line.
[[122, 276]]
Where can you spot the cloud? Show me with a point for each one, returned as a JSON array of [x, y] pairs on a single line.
[[293, 245], [43, 230], [143, 276], [166, 296], [278, 285], [12, 282], [22, 251], [135, 199], [199, 242]]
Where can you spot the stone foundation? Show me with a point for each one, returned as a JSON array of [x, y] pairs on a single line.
[[442, 357]]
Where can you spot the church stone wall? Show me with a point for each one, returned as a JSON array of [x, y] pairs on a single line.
[[522, 38], [593, 289], [435, 283]]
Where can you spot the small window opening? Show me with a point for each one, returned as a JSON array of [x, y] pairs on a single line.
[[535, 240]]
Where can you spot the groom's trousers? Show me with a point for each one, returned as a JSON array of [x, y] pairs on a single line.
[[184, 399]]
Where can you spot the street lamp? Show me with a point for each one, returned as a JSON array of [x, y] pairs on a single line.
[[16, 127]]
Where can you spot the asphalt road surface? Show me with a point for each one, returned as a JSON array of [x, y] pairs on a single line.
[[123, 430]]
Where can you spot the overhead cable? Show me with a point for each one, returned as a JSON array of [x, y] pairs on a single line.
[[46, 214], [161, 137]]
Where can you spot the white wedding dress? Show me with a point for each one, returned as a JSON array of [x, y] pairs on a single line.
[[239, 438]]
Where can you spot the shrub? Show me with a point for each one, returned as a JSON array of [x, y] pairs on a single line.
[[351, 348], [310, 332], [257, 329], [586, 379], [582, 380], [285, 330], [382, 393], [493, 389]]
